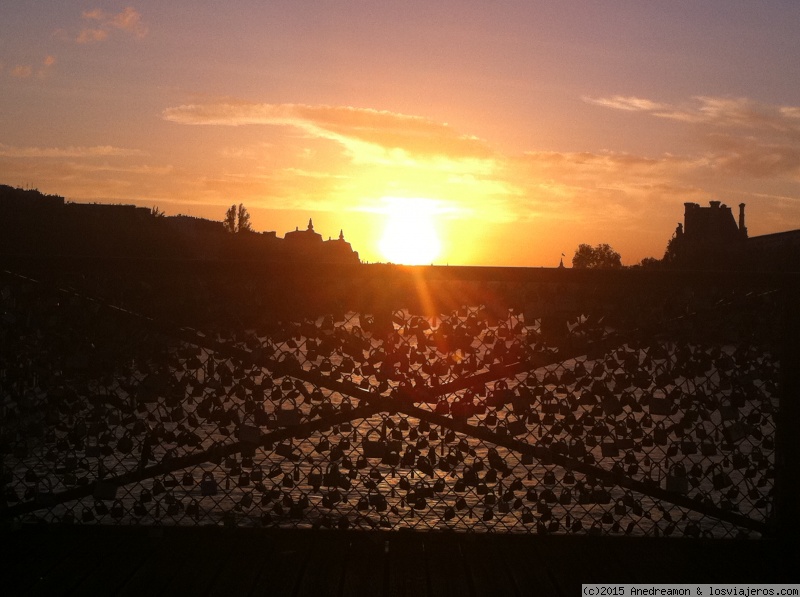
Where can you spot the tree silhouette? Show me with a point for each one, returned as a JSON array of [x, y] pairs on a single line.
[[244, 220], [230, 219], [600, 257], [237, 219]]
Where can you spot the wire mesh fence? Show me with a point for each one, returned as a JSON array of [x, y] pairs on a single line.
[[552, 405]]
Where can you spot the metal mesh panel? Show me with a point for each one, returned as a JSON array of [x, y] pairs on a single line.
[[554, 409]]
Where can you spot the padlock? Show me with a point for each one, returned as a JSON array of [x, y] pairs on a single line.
[[660, 405], [676, 480], [288, 413], [372, 445], [565, 496], [117, 510], [688, 447], [208, 484], [158, 487], [332, 476], [517, 427], [720, 479], [391, 457], [193, 509], [609, 449], [425, 466], [125, 444], [527, 516]]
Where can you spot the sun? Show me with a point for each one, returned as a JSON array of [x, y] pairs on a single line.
[[410, 236]]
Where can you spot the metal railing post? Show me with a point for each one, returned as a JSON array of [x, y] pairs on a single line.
[[786, 522]]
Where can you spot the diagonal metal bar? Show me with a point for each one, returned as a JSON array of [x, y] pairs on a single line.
[[175, 464], [543, 452]]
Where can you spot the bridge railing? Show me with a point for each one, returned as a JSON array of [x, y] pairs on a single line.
[[531, 401]]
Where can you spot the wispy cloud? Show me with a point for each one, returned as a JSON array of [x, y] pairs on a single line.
[[355, 128], [104, 23], [738, 136], [9, 151], [26, 71], [723, 112], [89, 35], [621, 102], [22, 71]]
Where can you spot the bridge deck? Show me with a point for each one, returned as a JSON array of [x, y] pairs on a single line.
[[51, 560]]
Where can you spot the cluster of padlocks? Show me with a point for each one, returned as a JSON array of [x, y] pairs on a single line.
[[480, 418]]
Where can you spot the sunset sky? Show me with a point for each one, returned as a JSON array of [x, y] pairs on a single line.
[[503, 133]]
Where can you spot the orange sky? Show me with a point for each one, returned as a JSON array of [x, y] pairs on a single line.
[[515, 131]]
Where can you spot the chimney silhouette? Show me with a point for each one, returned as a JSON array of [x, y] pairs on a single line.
[[742, 227]]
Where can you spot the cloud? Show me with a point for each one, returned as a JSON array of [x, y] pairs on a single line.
[[621, 102], [88, 36], [25, 71], [749, 156], [128, 20], [22, 71], [372, 135], [9, 151], [738, 136], [722, 112]]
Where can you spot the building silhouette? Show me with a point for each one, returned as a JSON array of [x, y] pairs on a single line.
[[32, 223], [712, 238]]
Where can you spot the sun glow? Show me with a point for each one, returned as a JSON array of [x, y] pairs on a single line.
[[410, 236]]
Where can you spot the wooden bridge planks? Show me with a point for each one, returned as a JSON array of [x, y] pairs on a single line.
[[407, 566], [486, 567], [446, 566], [214, 561], [280, 561], [366, 565], [531, 573]]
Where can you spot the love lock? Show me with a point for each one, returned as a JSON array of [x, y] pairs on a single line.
[[423, 489], [676, 480], [660, 405], [125, 444], [517, 427], [609, 449], [391, 457], [286, 450], [315, 477], [288, 414], [620, 509], [688, 447], [331, 498], [527, 516], [117, 511], [720, 479], [208, 485], [660, 434], [378, 501], [425, 466], [247, 500], [500, 396], [193, 509], [373, 448]]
